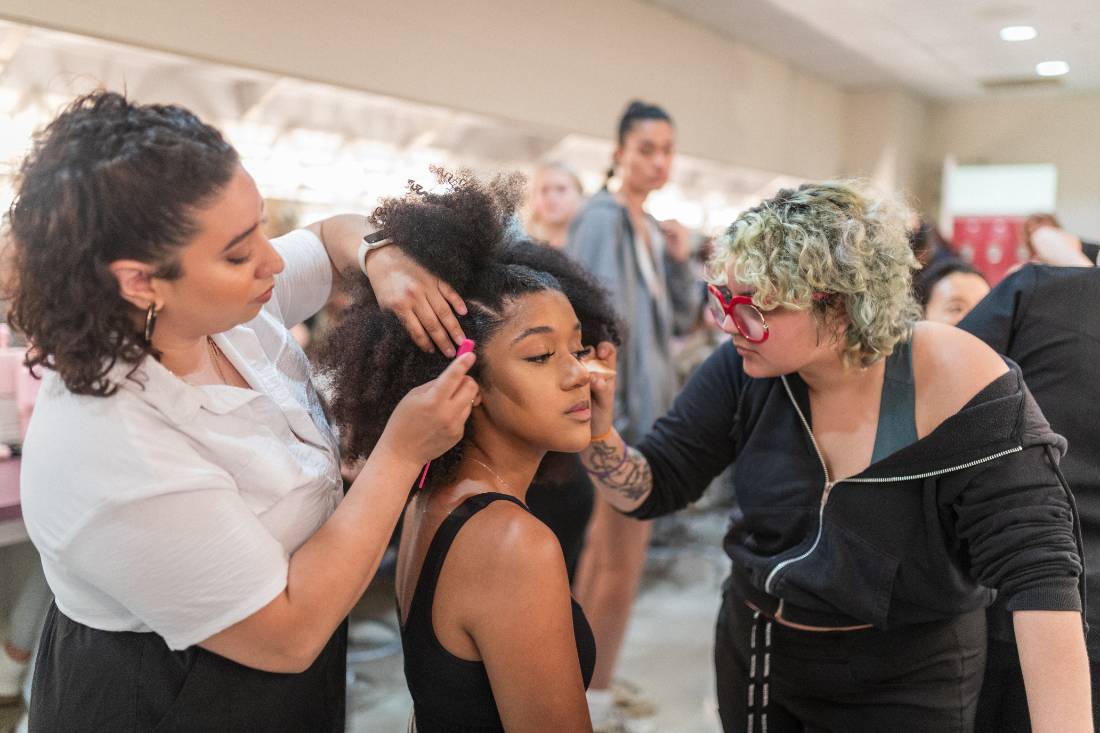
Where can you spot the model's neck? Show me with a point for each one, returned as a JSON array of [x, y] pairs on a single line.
[[508, 466]]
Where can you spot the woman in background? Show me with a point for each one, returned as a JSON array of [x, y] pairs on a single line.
[[555, 197], [644, 264], [948, 290]]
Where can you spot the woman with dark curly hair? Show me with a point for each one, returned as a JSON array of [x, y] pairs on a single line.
[[492, 638], [891, 475], [179, 477]]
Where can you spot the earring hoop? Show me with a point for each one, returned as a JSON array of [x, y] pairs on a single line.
[[150, 322]]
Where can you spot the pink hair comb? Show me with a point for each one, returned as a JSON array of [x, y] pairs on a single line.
[[464, 348]]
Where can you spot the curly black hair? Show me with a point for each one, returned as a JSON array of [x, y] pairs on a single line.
[[106, 180], [460, 235]]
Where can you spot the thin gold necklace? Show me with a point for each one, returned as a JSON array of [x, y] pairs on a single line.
[[214, 350], [490, 470]]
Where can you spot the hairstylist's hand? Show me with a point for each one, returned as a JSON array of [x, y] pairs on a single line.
[[431, 418], [603, 390], [425, 304]]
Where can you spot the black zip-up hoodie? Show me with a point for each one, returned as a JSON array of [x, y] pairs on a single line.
[[923, 534]]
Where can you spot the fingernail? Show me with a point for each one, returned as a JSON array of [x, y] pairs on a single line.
[[450, 353]]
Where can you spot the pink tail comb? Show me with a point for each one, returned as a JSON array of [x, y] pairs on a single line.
[[464, 348]]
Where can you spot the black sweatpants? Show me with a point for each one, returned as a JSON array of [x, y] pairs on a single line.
[[918, 678]]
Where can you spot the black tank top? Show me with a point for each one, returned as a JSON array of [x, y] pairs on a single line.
[[449, 693], [897, 421]]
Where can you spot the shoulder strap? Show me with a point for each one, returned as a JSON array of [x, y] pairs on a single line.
[[441, 545], [897, 416]]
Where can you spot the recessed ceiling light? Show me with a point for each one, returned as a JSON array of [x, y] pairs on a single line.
[[1051, 68], [1018, 33]]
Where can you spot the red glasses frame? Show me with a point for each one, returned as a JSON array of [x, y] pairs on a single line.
[[729, 307]]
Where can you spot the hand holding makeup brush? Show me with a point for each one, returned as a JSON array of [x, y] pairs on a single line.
[[601, 367]]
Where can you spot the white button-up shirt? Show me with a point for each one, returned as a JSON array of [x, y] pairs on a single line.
[[174, 508]]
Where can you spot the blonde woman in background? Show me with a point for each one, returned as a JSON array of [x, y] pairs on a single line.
[[556, 195]]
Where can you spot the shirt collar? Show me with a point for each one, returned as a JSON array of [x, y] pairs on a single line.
[[180, 401]]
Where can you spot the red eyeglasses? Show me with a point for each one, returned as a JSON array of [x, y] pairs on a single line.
[[746, 317]]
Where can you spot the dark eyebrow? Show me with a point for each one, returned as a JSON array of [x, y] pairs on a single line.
[[245, 234], [240, 237], [534, 330]]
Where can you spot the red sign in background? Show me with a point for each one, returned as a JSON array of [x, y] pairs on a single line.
[[993, 244]]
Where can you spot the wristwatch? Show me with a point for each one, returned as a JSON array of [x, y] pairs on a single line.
[[371, 242]]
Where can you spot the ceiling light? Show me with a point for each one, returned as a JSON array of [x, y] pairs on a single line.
[[1018, 33], [1051, 68]]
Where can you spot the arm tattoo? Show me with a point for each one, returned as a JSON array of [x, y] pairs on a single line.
[[627, 473]]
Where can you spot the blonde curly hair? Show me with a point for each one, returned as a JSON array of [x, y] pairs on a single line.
[[836, 237]]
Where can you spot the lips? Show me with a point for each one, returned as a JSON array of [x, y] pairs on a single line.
[[266, 295], [584, 407]]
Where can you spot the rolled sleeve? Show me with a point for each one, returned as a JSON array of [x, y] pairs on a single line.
[[1017, 520], [305, 284]]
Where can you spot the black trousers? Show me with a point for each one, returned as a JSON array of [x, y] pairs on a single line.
[[914, 679], [92, 681]]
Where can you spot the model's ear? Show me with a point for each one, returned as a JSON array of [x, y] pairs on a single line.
[[135, 283]]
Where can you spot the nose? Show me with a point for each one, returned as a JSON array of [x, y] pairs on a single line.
[[576, 375], [271, 263]]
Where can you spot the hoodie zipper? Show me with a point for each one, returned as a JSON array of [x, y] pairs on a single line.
[[829, 485]]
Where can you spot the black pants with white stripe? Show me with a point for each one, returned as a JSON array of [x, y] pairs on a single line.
[[919, 678]]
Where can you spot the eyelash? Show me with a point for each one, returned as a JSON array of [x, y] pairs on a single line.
[[247, 257], [543, 358]]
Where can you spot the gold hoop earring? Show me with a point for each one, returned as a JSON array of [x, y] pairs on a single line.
[[150, 322]]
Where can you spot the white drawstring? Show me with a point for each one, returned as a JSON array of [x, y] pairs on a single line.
[[760, 712]]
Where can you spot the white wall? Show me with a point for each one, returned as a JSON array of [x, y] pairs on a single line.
[[571, 65], [885, 136], [1058, 130]]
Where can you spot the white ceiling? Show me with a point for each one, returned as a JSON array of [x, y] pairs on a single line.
[[937, 48]]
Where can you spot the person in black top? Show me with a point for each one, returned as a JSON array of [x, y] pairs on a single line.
[[492, 638], [889, 475], [1047, 320]]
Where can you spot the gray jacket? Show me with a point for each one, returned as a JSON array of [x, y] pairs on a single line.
[[602, 238]]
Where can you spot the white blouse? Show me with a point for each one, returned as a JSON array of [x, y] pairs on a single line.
[[174, 508]]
